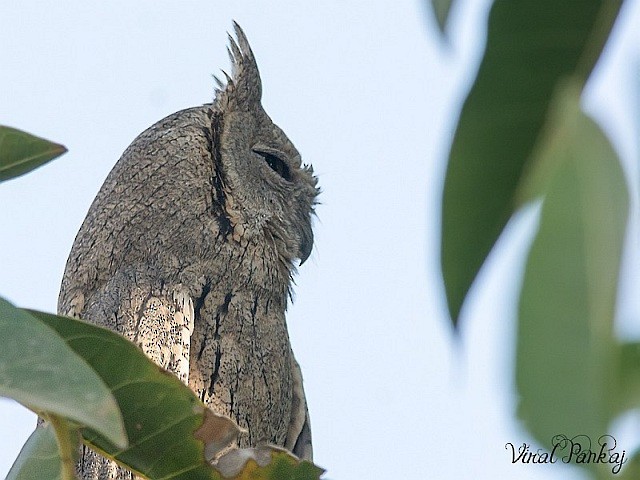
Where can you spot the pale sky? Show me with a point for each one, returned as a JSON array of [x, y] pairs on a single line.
[[369, 94]]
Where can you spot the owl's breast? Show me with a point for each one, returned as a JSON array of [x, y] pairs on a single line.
[[240, 362]]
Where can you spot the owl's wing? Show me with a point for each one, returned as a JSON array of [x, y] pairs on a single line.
[[157, 316], [299, 434]]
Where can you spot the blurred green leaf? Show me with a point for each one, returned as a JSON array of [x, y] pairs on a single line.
[[550, 152], [21, 152], [39, 458], [531, 46], [629, 396], [441, 10], [39, 370], [566, 353]]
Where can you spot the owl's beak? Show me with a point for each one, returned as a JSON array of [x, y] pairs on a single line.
[[306, 243]]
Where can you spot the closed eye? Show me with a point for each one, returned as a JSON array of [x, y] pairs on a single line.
[[277, 164]]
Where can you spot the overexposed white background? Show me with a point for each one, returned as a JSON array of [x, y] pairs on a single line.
[[369, 92]]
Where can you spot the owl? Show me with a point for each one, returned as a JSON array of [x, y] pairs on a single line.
[[189, 249]]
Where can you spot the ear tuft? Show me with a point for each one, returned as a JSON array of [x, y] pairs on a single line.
[[243, 87]]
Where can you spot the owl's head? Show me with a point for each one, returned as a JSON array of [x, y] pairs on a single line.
[[268, 193]]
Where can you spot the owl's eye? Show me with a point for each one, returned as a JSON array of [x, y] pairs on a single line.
[[277, 164]]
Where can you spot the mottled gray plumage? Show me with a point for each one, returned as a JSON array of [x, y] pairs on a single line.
[[188, 250]]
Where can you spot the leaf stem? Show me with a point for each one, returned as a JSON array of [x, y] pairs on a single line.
[[67, 438]]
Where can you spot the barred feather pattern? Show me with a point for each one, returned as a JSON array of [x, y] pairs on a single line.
[[188, 250]]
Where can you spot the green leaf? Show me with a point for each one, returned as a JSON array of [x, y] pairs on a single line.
[[266, 463], [39, 370], [531, 46], [566, 353], [39, 458], [629, 396], [441, 10], [281, 466], [166, 423], [50, 453], [21, 152], [170, 431]]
